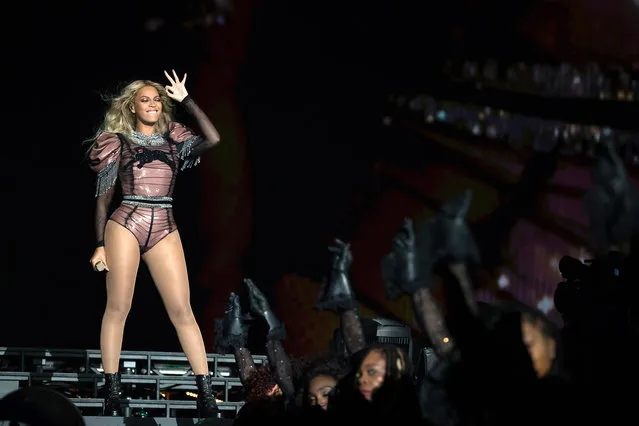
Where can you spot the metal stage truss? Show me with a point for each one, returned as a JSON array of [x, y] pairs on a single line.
[[132, 421], [154, 384]]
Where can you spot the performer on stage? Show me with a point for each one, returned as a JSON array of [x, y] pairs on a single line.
[[141, 144]]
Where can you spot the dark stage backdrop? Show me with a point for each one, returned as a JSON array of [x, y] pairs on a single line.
[[297, 90]]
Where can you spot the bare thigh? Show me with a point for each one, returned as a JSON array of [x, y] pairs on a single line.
[[167, 266], [123, 258]]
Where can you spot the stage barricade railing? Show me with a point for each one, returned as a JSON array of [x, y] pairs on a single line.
[[154, 384]]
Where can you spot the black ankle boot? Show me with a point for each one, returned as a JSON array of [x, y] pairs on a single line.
[[206, 405], [112, 395]]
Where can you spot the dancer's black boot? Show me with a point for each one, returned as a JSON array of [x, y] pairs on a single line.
[[206, 405], [112, 395]]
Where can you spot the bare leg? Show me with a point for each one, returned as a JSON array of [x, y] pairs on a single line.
[[167, 265], [123, 259]]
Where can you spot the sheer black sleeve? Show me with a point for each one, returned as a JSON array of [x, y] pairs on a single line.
[[352, 332], [104, 160], [191, 146], [281, 364], [462, 319], [102, 206], [245, 364], [432, 322], [209, 132]]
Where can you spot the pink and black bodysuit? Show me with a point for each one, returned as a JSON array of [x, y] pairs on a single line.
[[147, 166]]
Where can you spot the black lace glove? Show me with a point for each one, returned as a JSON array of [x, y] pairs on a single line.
[[336, 293], [400, 268], [261, 307], [610, 202]]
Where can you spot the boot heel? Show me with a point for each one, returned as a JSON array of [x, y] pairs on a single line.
[[206, 404]]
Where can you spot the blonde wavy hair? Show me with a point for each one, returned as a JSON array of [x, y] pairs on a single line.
[[120, 119]]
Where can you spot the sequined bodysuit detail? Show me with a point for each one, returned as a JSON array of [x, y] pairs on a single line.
[[147, 175], [147, 166]]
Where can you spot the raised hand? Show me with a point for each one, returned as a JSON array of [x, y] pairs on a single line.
[[234, 330], [405, 250], [233, 306], [342, 256], [261, 307], [234, 313], [400, 267], [177, 89], [336, 293], [449, 236], [444, 238], [258, 301]]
